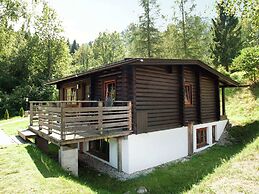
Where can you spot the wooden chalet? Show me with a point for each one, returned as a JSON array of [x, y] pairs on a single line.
[[131, 97]]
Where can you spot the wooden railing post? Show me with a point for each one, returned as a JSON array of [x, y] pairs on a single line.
[[40, 112], [50, 117], [100, 115], [31, 113], [62, 122], [130, 115]]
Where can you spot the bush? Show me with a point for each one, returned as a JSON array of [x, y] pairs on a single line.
[[6, 114], [21, 112]]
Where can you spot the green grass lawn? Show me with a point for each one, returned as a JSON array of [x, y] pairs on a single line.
[[220, 169], [11, 126]]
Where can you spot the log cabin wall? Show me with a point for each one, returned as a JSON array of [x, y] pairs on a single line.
[[157, 97], [190, 111], [209, 98]]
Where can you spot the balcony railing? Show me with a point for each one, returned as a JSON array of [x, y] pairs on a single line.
[[66, 119]]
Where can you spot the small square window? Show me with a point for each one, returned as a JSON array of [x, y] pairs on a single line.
[[188, 94], [201, 137]]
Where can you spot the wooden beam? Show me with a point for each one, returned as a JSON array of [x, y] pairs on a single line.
[[190, 138], [31, 113], [217, 96], [223, 101], [134, 106], [119, 149], [181, 95], [62, 122]]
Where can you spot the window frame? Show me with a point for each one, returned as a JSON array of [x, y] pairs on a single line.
[[201, 134], [105, 83], [71, 88], [190, 93]]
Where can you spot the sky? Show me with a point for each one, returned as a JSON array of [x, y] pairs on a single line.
[[84, 19]]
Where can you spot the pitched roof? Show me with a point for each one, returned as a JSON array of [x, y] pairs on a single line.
[[225, 80]]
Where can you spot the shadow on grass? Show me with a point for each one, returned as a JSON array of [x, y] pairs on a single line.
[[173, 178]]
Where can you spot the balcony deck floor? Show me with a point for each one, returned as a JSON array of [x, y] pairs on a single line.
[[76, 138]]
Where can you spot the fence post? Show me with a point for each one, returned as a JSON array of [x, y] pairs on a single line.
[[50, 116], [40, 112], [31, 113], [100, 115], [62, 122], [130, 115]]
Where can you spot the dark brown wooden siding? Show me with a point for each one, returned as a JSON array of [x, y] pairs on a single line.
[[157, 97], [190, 111], [208, 99]]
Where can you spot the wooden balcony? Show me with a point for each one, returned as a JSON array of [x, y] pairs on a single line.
[[67, 122]]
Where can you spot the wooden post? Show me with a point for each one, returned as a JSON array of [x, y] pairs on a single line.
[[39, 115], [31, 113], [62, 122], [190, 138], [119, 149], [217, 99], [130, 115], [223, 101], [100, 115]]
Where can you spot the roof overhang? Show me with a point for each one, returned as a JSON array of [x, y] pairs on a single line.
[[223, 79]]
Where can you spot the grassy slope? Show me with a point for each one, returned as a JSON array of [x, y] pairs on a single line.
[[27, 170], [235, 166], [11, 126]]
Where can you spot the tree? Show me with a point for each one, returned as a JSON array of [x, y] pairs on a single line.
[[51, 48], [107, 48], [248, 61], [226, 36], [74, 47], [148, 34], [197, 37], [83, 58], [249, 16]]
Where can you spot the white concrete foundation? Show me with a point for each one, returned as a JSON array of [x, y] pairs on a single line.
[[68, 158], [147, 150]]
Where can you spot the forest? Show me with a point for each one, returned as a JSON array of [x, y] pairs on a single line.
[[34, 50]]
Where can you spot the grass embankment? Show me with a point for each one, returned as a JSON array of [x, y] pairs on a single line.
[[11, 126], [220, 169]]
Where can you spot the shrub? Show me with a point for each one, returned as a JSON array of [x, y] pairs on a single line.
[[21, 112], [6, 114]]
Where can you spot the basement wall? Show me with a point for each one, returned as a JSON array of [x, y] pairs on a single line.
[[147, 150]]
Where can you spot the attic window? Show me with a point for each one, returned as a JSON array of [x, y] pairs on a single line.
[[188, 94]]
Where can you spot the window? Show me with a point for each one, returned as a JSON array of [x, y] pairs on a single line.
[[201, 137], [71, 94], [213, 133], [100, 148], [110, 90], [188, 94]]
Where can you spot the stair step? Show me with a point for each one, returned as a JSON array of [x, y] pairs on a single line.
[[25, 134]]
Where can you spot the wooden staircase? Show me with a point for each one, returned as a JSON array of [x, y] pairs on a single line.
[[26, 134]]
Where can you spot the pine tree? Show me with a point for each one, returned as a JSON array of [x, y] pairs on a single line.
[[226, 36], [148, 33], [21, 112], [6, 114], [74, 47]]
